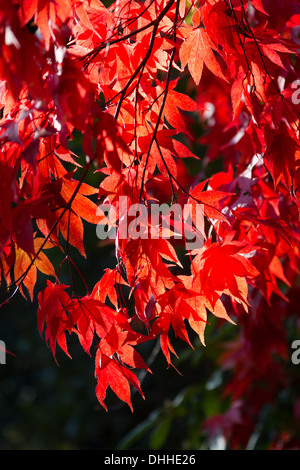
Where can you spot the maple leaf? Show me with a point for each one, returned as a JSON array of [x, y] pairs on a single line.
[[197, 50], [74, 94], [212, 200], [35, 261], [145, 257], [82, 207], [84, 318], [196, 304], [110, 145], [259, 6], [108, 286], [110, 373], [282, 152], [223, 267], [178, 101], [45, 13], [170, 311], [54, 303], [90, 316]]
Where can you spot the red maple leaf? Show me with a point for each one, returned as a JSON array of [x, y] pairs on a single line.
[[197, 50]]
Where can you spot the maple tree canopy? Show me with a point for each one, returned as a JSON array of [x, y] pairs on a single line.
[[153, 89]]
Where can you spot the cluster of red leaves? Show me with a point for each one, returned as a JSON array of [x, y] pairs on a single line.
[[113, 74]]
